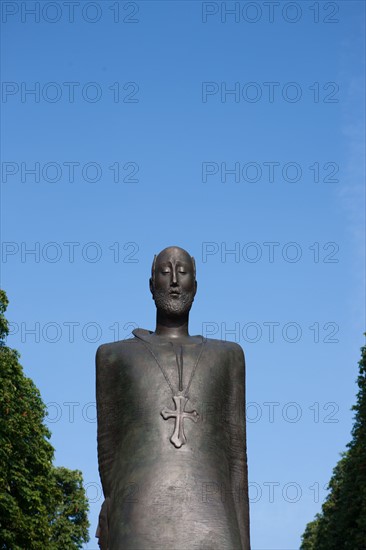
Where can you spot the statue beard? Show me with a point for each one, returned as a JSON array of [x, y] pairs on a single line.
[[173, 307]]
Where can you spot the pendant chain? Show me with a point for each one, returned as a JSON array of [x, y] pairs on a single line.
[[185, 393]]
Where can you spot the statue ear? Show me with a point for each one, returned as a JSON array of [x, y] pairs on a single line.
[[194, 266], [195, 287], [151, 285], [151, 280]]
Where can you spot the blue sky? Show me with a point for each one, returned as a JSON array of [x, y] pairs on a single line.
[[179, 123]]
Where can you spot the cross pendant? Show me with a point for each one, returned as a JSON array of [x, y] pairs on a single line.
[[178, 438]]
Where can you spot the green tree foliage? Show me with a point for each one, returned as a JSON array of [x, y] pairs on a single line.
[[69, 523], [341, 525], [41, 506]]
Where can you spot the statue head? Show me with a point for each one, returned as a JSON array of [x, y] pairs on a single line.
[[173, 282]]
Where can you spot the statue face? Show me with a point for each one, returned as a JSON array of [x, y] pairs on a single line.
[[174, 285]]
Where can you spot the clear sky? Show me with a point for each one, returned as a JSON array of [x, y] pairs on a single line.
[[234, 130]]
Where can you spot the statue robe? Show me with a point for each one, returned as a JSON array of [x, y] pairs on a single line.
[[159, 497]]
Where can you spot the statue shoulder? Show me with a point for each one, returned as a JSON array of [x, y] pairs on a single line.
[[230, 349], [233, 346], [225, 345], [109, 352]]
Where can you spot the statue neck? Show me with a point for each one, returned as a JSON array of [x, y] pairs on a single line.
[[171, 327]]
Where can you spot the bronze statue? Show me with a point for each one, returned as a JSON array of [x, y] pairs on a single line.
[[171, 429]]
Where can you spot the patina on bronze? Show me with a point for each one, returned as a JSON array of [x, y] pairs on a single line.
[[173, 478]]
